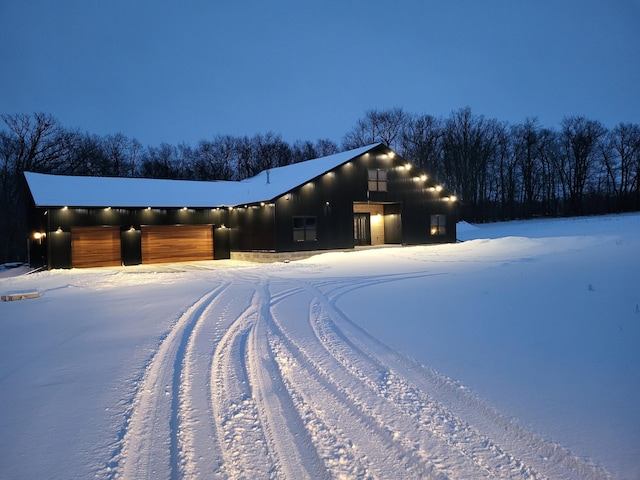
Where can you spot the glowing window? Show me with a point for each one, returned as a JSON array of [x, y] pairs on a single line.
[[438, 224]]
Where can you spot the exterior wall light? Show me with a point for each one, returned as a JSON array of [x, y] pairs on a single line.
[[423, 177], [453, 198], [59, 230], [38, 236], [438, 188], [106, 209], [65, 208], [407, 166]]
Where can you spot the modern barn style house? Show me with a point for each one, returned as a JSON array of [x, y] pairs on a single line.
[[366, 196]]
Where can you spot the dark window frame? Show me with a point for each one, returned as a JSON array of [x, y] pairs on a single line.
[[305, 228], [377, 180]]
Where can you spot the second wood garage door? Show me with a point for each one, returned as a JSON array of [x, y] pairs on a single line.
[[176, 243]]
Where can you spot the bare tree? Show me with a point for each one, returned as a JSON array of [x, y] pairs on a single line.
[[216, 159], [385, 126], [325, 147], [580, 138], [35, 143], [469, 148], [422, 143], [302, 151], [621, 155], [526, 138], [121, 154], [160, 162]]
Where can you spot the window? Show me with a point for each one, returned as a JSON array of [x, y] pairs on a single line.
[[377, 180], [438, 224], [304, 229]]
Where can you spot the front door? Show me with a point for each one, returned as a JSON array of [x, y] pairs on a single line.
[[362, 228]]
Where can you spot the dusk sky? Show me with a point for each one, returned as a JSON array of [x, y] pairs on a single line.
[[183, 71]]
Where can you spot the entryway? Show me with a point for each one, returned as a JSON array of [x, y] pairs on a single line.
[[362, 228], [376, 223]]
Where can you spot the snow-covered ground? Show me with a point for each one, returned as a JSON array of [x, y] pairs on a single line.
[[513, 354]]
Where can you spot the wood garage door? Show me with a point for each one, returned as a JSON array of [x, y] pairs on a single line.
[[95, 247], [176, 243]]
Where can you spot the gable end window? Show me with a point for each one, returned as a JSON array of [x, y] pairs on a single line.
[[438, 224], [304, 229], [377, 180]]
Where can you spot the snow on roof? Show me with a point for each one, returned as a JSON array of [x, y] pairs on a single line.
[[81, 191]]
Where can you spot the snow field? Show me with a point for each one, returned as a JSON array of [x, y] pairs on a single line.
[[452, 361]]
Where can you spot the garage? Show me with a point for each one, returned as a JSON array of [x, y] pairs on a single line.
[[95, 246], [176, 243]]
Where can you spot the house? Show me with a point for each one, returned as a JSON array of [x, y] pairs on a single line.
[[366, 196]]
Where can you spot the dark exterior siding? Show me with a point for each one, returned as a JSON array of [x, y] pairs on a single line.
[[407, 201], [252, 228], [57, 224], [408, 205]]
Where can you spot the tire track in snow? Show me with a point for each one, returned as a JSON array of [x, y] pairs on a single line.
[[199, 451], [436, 434], [350, 441], [149, 443], [296, 456], [239, 432], [504, 439]]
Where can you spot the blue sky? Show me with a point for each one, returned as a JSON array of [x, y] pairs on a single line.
[[182, 71]]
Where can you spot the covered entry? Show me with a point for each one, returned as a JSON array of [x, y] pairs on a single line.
[[95, 247], [176, 243], [376, 223]]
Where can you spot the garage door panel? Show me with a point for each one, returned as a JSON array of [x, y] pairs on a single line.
[[95, 247], [176, 243]]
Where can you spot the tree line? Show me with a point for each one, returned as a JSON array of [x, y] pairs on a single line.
[[499, 171]]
